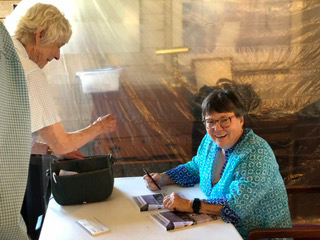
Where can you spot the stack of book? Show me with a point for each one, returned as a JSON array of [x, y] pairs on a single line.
[[167, 219]]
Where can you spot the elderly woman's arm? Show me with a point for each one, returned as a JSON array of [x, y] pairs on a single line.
[[39, 148], [43, 148], [62, 142]]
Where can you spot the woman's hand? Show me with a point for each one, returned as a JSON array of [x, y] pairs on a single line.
[[161, 179], [174, 202], [73, 155], [149, 183], [62, 142], [106, 123]]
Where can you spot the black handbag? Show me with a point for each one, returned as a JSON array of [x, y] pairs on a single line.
[[92, 183]]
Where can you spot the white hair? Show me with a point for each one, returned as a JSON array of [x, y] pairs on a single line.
[[46, 19]]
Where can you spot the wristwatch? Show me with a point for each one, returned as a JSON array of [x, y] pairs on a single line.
[[196, 204]]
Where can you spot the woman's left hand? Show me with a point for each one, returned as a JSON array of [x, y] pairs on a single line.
[[174, 202], [73, 155]]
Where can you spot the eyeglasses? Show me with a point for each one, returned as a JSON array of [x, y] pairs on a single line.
[[224, 122]]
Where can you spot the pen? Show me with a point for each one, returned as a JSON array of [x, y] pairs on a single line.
[[146, 172]]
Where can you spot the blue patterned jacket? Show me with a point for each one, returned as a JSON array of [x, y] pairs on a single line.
[[250, 189]]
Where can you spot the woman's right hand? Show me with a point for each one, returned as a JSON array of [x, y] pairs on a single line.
[[106, 123], [149, 183]]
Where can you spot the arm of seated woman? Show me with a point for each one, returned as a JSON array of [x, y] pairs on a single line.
[[174, 202], [161, 179]]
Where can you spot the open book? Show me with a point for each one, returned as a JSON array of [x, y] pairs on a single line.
[[173, 220], [149, 202]]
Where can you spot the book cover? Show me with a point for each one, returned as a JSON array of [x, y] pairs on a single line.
[[174, 220], [149, 202]]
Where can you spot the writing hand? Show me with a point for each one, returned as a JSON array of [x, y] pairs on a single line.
[[149, 183]]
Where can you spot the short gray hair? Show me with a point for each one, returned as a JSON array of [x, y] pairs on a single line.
[[222, 100], [47, 19]]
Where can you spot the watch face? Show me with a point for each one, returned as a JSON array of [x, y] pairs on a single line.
[[196, 204]]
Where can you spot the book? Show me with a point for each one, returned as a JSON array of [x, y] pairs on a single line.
[[174, 220], [93, 226], [149, 202]]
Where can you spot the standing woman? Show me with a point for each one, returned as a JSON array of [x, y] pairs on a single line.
[[236, 169], [38, 37]]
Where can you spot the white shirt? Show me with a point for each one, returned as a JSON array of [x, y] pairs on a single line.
[[42, 106]]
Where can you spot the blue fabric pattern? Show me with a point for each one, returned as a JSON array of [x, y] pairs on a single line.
[[251, 189], [227, 214], [229, 151], [182, 176]]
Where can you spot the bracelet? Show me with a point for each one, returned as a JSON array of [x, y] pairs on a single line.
[[196, 205]]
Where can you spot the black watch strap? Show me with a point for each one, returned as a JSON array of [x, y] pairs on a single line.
[[196, 204]]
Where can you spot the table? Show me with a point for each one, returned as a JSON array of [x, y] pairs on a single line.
[[125, 221]]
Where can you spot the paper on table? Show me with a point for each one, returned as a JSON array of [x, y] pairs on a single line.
[[93, 226]]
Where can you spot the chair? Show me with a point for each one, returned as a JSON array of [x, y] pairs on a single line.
[[298, 231]]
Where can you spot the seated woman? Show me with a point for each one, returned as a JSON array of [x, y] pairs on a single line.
[[236, 169]]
